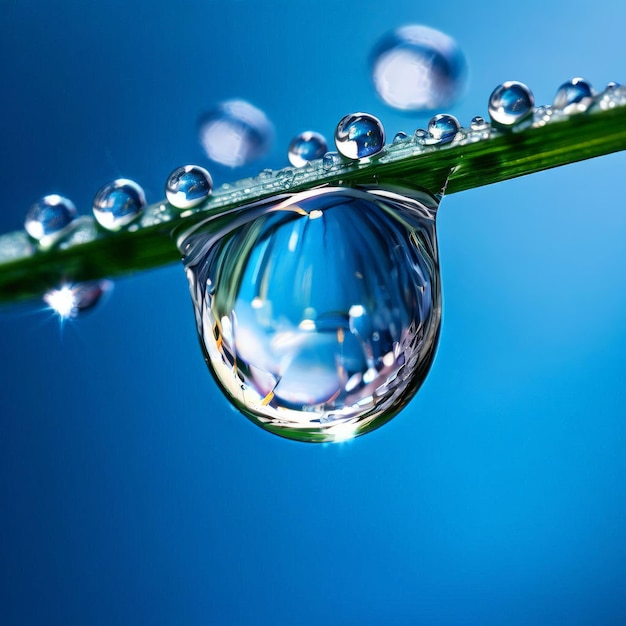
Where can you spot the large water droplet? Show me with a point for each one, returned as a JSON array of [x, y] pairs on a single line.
[[359, 136], [574, 96], [318, 312], [306, 147], [188, 186], [510, 103], [418, 68], [442, 128], [48, 218], [118, 203], [235, 133]]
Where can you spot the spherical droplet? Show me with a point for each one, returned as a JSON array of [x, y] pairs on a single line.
[[118, 203], [48, 218], [359, 136], [418, 68], [69, 301], [443, 128], [188, 186], [573, 96], [510, 103], [319, 312], [235, 133], [306, 147]]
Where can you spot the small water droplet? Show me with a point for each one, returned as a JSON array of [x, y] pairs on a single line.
[[285, 177], [47, 219], [359, 136], [118, 203], [510, 103], [188, 186], [573, 96], [235, 133], [330, 160], [478, 123], [612, 85], [421, 135], [442, 129], [400, 137], [306, 147], [319, 313], [418, 68], [69, 301]]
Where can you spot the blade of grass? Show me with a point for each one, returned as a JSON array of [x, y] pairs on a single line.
[[89, 253]]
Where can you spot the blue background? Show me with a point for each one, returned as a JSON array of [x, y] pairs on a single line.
[[130, 491]]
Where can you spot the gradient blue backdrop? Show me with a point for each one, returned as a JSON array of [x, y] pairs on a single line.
[[130, 491]]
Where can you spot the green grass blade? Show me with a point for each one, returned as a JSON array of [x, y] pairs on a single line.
[[88, 252]]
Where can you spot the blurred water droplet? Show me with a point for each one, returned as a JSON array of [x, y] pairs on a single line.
[[573, 96], [400, 137], [510, 103], [235, 133], [285, 177], [48, 218], [319, 313], [442, 128], [420, 135], [418, 68], [612, 85], [330, 160], [188, 186], [306, 147], [478, 123], [359, 136], [69, 301], [118, 203]]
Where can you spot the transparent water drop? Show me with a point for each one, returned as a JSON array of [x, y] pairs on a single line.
[[510, 103], [118, 203], [420, 135], [400, 137], [306, 147], [330, 160], [359, 136], [235, 133], [418, 68], [319, 312], [442, 128], [188, 186], [573, 96], [69, 301], [478, 123], [48, 218]]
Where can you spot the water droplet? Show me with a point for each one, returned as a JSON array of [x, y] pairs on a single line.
[[118, 203], [319, 312], [442, 128], [574, 96], [235, 133], [330, 160], [612, 85], [418, 68], [359, 136], [400, 137], [285, 177], [420, 135], [306, 147], [69, 301], [47, 219], [188, 186], [478, 123], [510, 103]]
